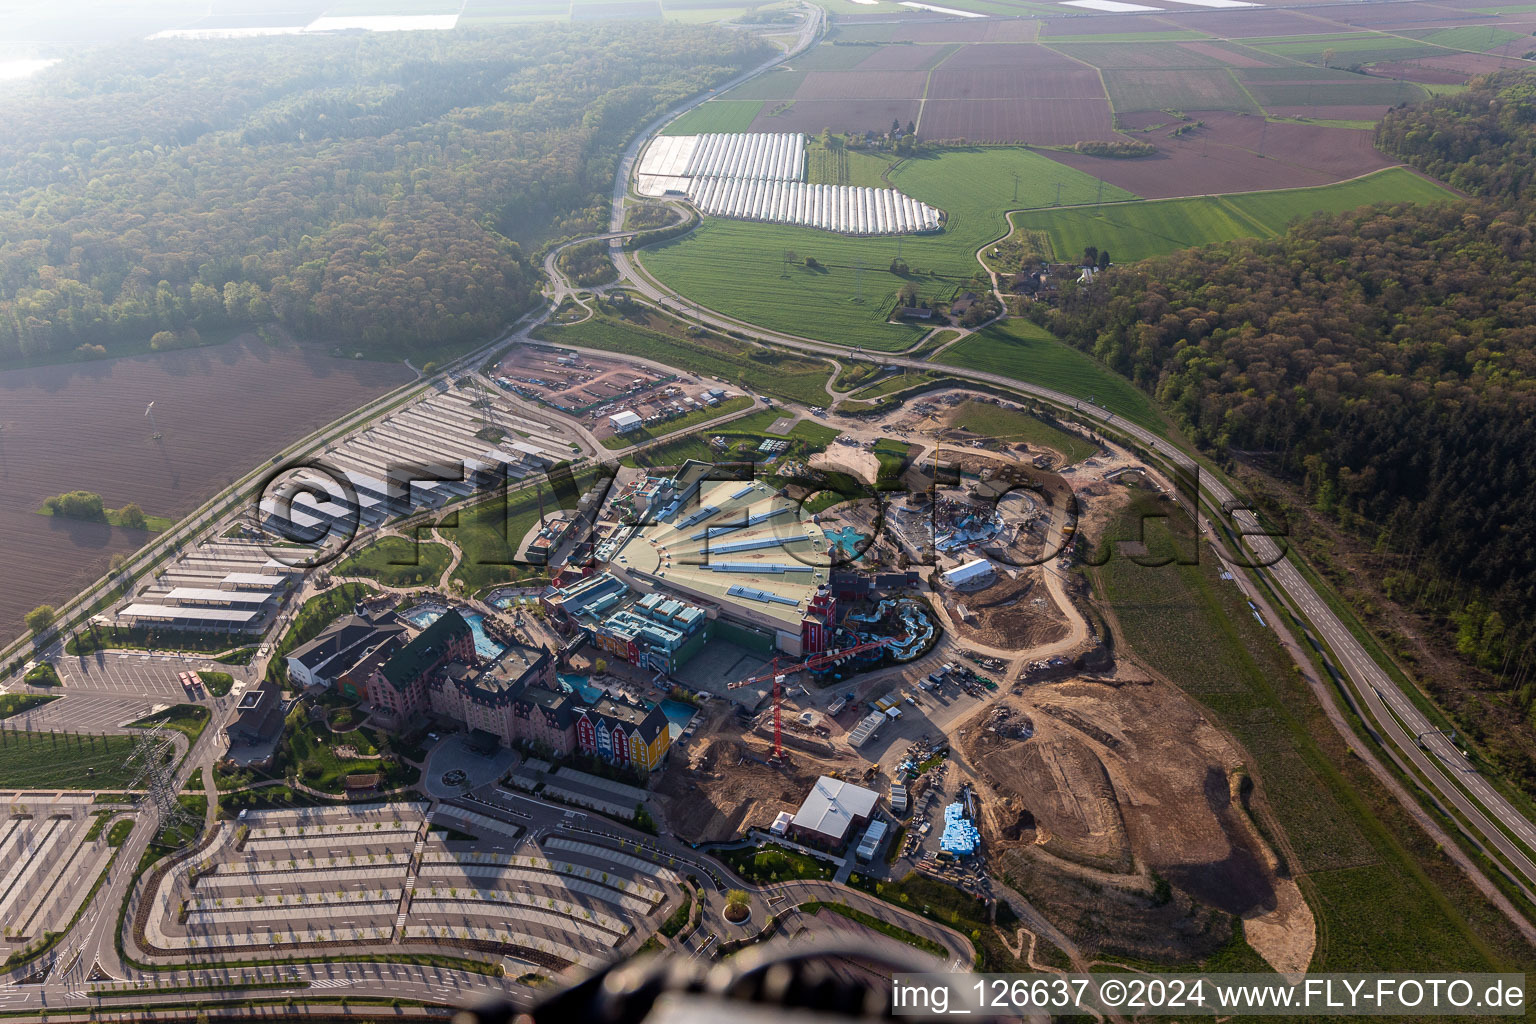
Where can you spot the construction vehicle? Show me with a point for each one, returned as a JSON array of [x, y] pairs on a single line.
[[811, 664]]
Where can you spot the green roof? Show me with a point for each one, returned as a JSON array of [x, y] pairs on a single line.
[[426, 649]]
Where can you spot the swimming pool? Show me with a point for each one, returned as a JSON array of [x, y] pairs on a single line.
[[846, 539], [678, 715], [579, 685], [424, 615]]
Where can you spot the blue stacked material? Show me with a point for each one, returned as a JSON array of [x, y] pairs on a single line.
[[960, 836]]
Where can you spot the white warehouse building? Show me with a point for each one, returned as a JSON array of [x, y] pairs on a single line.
[[624, 422], [977, 570]]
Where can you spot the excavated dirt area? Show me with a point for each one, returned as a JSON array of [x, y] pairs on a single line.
[[1117, 817], [1016, 611], [723, 785]]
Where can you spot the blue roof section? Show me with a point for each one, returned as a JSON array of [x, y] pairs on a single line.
[[698, 517], [763, 568], [960, 835], [760, 595], [730, 546]]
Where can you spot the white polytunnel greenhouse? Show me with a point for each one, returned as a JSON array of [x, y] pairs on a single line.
[[761, 177]]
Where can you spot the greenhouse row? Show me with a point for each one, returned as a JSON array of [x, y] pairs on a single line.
[[850, 209], [778, 157]]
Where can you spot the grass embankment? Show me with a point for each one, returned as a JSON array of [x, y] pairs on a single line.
[[188, 719], [742, 438], [1029, 353], [739, 268], [488, 533], [744, 364], [884, 928], [1382, 893], [772, 863], [680, 423], [317, 613], [1011, 426], [1134, 231], [398, 562]]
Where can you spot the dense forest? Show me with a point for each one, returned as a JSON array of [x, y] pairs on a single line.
[[1482, 141], [373, 191], [1383, 359]]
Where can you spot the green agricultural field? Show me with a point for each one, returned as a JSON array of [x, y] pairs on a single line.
[[830, 57], [716, 116], [1480, 38], [1135, 89], [1356, 93], [48, 760], [777, 85], [1134, 231], [739, 267], [397, 562], [770, 372], [1027, 352], [1013, 427], [1350, 48], [845, 166], [1105, 54], [1382, 893]]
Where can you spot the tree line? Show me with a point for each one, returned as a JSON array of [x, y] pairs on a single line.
[[1482, 141], [1384, 359], [379, 192]]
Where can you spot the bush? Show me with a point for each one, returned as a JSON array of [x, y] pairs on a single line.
[[43, 675]]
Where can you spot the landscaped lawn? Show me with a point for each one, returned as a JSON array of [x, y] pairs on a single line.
[[488, 535], [739, 267], [308, 750], [218, 683], [1134, 231], [188, 719], [773, 863], [398, 562], [1027, 352], [16, 703]]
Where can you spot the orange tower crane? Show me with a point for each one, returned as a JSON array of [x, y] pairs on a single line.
[[811, 664]]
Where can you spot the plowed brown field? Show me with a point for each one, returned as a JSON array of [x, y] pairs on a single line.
[[221, 411]]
